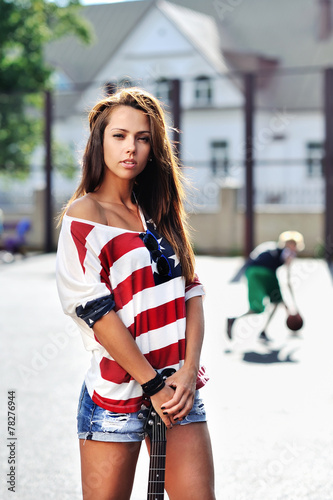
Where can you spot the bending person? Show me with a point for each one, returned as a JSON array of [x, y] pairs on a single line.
[[261, 276]]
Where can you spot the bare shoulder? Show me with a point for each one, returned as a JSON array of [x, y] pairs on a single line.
[[87, 208]]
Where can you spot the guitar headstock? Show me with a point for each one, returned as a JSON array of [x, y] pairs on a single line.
[[154, 426]]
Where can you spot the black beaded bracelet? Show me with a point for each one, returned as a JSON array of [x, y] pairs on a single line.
[[154, 385]]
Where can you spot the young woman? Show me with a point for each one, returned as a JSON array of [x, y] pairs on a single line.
[[125, 273]]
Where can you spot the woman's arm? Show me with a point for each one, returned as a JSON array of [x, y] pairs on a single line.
[[184, 380], [194, 333], [117, 340]]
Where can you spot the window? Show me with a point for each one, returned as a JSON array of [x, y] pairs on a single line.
[[314, 159], [220, 157], [203, 91], [164, 90]]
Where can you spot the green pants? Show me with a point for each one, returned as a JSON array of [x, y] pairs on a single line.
[[262, 282]]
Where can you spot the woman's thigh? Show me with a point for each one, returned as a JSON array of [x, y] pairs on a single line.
[[107, 469], [189, 472]]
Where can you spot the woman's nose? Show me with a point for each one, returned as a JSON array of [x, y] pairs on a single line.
[[130, 145]]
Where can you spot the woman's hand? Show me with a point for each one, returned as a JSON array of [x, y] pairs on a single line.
[[183, 384], [184, 380], [158, 399]]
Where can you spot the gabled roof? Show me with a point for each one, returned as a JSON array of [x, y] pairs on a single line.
[[200, 29], [284, 29], [251, 35], [111, 24]]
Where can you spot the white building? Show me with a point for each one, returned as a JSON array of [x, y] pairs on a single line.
[[206, 45]]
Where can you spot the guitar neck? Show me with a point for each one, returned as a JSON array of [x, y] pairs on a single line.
[[156, 430], [156, 471]]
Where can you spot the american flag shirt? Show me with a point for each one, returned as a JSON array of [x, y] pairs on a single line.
[[100, 268]]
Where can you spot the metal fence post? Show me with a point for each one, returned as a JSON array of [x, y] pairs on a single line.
[[249, 86], [176, 114], [328, 162], [48, 243]]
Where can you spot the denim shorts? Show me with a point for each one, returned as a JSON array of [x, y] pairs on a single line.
[[98, 424]]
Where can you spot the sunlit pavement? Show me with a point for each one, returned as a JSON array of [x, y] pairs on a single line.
[[269, 405]]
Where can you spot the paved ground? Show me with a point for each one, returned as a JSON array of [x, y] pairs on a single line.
[[269, 407]]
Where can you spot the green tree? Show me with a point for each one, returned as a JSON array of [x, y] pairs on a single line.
[[26, 26]]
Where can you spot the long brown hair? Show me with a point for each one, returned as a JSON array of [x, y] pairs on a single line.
[[159, 188]]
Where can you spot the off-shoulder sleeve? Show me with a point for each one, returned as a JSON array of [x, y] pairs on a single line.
[[82, 283], [194, 288]]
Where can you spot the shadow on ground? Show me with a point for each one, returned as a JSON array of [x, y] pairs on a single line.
[[274, 356]]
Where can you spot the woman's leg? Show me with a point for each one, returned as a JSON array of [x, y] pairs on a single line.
[[107, 469], [189, 473]]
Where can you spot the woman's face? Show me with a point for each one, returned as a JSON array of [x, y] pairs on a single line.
[[126, 142]]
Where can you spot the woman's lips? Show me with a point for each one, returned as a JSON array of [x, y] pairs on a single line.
[[129, 163]]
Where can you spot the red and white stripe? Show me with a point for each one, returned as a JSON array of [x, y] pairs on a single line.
[[93, 261]]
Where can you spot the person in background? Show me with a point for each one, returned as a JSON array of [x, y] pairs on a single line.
[[260, 271], [125, 274]]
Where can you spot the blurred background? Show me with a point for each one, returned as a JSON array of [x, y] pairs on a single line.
[[247, 85], [248, 90]]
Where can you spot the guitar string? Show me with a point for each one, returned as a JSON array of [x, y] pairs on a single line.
[[158, 457], [157, 483]]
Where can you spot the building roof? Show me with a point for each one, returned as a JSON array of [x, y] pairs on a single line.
[[252, 35], [200, 29], [279, 37], [111, 24], [285, 30]]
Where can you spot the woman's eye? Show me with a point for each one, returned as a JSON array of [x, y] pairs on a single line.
[[144, 139], [118, 135]]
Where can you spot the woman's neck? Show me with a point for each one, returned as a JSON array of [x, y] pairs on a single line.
[[120, 193]]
